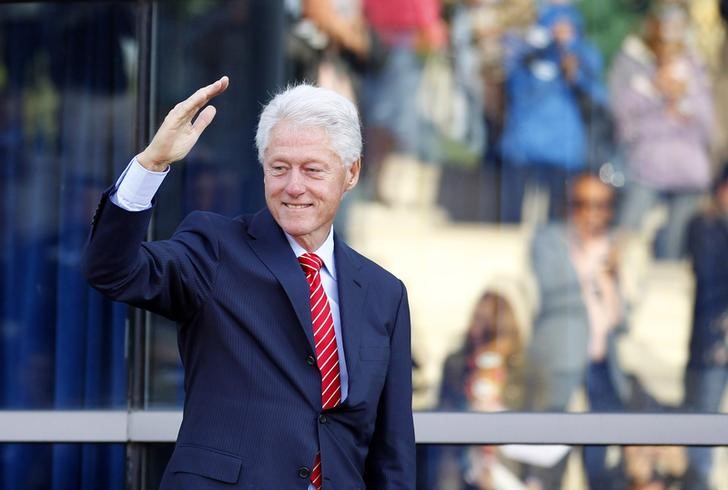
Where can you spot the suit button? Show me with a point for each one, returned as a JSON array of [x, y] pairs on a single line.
[[323, 419], [304, 472], [310, 360]]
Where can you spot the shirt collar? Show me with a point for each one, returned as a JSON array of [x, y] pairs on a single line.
[[325, 251]]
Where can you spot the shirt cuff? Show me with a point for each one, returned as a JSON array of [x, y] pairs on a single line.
[[136, 187]]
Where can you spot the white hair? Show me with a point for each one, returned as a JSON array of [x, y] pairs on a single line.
[[314, 107]]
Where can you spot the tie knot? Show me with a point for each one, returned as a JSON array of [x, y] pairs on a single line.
[[311, 263]]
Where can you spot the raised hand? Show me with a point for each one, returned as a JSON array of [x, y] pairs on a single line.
[[178, 133]]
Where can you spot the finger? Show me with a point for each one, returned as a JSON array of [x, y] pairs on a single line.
[[204, 119], [196, 101], [224, 82]]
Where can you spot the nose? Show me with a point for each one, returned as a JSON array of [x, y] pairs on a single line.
[[295, 185]]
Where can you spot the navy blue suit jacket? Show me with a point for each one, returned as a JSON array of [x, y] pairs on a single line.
[[252, 412]]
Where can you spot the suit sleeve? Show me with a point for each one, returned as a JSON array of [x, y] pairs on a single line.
[[169, 277], [391, 459]]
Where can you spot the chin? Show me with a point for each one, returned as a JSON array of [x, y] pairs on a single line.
[[295, 230]]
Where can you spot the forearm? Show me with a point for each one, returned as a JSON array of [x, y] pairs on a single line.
[[113, 245], [169, 277]]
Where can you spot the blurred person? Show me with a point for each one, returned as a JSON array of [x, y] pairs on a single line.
[[327, 39], [551, 79], [483, 34], [706, 375], [655, 468], [286, 334], [408, 30], [483, 374], [467, 68], [662, 101], [580, 313], [494, 24]]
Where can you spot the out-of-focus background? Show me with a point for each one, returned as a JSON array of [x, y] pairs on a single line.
[[548, 178]]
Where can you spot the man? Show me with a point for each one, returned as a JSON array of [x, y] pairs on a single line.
[[296, 348]]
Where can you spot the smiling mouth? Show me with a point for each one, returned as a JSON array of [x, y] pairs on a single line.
[[297, 206]]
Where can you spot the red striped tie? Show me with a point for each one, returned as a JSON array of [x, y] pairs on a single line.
[[327, 354]]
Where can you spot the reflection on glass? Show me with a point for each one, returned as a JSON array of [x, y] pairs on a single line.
[[66, 118], [654, 79], [581, 308], [598, 278], [469, 184], [485, 373], [519, 467], [198, 42], [60, 466]]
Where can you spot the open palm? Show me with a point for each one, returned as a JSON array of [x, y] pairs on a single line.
[[178, 133]]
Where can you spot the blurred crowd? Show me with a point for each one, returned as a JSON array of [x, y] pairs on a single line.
[[587, 121]]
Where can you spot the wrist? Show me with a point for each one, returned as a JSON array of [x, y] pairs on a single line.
[[150, 163]]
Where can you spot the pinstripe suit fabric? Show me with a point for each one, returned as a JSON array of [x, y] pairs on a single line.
[[252, 412]]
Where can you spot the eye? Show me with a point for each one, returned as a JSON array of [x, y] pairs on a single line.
[[277, 170], [314, 170]]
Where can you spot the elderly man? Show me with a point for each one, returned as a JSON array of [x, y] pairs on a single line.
[[296, 348]]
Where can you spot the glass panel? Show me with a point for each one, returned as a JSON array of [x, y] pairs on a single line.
[[67, 99], [60, 466], [546, 259], [532, 285], [522, 467], [197, 42]]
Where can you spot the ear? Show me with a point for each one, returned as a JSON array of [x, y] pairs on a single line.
[[352, 174]]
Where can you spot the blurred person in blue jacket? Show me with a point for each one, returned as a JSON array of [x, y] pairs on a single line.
[[552, 76]]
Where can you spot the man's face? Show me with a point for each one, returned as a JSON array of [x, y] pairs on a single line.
[[305, 181]]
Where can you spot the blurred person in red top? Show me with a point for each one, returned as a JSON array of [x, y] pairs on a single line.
[[407, 29]]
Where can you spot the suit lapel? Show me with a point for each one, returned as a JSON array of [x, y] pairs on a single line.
[[352, 291], [272, 248]]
